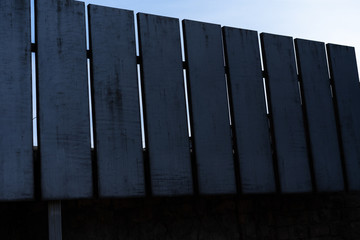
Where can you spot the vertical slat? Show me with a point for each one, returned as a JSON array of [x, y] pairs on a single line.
[[287, 116], [249, 110], [16, 166], [116, 102], [209, 110], [164, 104], [64, 132], [320, 115], [345, 78]]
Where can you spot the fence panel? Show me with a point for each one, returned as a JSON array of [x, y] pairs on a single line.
[[345, 78], [287, 116], [249, 110], [320, 115], [16, 168], [116, 102], [64, 131], [209, 110], [164, 105], [317, 138]]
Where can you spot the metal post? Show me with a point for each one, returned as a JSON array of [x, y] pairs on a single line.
[[54, 219]]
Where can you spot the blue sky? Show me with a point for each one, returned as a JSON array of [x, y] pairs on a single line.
[[330, 21]]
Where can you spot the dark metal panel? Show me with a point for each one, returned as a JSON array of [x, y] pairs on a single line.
[[209, 110], [286, 112], [116, 102], [249, 110], [64, 137], [320, 115], [345, 78], [164, 104], [16, 164]]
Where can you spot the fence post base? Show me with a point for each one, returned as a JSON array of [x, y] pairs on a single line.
[[54, 220]]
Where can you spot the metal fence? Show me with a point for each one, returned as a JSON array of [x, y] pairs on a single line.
[[299, 134]]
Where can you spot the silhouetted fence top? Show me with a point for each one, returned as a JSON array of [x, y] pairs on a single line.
[[308, 140]]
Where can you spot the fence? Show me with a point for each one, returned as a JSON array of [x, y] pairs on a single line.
[[309, 141]]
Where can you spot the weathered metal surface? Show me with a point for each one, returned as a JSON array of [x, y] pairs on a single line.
[[320, 115], [209, 110], [64, 131], [116, 102], [164, 105], [286, 113], [249, 110], [345, 78], [16, 163]]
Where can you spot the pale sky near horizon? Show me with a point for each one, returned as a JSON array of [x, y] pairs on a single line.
[[329, 21]]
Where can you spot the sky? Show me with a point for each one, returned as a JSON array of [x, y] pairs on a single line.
[[329, 21]]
